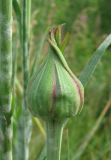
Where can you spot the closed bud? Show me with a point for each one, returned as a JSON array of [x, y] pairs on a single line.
[[54, 91]]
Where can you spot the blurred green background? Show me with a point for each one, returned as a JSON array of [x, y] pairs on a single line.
[[88, 23]]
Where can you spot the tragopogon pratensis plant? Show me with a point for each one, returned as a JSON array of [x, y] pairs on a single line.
[[55, 94]]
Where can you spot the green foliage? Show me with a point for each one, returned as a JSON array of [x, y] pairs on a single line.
[[84, 30], [88, 22], [105, 15]]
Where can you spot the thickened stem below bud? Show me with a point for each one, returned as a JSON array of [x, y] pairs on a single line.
[[54, 131]]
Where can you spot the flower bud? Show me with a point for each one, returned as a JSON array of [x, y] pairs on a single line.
[[54, 91]]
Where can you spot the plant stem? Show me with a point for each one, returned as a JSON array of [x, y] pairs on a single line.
[[25, 44], [54, 139], [25, 120], [5, 79]]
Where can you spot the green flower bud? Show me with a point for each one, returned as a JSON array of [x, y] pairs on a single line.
[[54, 91]]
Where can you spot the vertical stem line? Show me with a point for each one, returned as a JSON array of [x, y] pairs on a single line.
[[28, 18], [5, 79], [25, 45], [25, 117], [54, 139]]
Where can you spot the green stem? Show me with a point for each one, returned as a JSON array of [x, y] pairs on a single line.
[[54, 139], [25, 119], [5, 79], [28, 18], [25, 44]]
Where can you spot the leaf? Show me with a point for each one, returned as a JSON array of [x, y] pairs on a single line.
[[17, 9], [18, 14], [42, 155], [92, 64]]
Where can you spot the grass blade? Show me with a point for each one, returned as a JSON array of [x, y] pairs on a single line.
[[17, 10], [91, 66]]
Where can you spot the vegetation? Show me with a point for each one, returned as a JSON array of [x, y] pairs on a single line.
[[85, 136], [5, 79]]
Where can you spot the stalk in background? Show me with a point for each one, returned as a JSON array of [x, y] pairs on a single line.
[[5, 79], [25, 119]]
